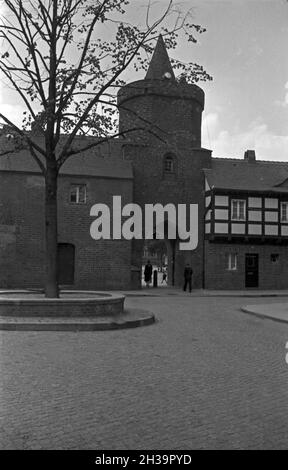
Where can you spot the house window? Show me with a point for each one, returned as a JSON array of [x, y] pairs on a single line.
[[284, 211], [238, 209], [274, 257], [169, 164], [78, 193], [231, 261]]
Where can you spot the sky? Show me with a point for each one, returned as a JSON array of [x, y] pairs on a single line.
[[245, 49]]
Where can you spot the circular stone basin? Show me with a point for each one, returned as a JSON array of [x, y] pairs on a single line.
[[70, 304]]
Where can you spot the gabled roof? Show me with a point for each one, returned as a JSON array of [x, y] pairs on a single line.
[[103, 161], [91, 165], [241, 175]]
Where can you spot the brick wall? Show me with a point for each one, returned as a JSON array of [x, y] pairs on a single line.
[[167, 108], [102, 264], [271, 275], [175, 110], [151, 186]]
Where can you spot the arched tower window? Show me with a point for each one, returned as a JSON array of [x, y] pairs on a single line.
[[169, 164]]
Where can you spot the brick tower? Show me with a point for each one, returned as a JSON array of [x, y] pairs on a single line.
[[165, 150]]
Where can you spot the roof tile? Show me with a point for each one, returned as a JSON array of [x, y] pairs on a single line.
[[236, 174]]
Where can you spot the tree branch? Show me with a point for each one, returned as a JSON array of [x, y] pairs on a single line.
[[63, 158], [23, 134]]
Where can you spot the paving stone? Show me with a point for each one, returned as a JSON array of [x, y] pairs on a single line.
[[205, 376]]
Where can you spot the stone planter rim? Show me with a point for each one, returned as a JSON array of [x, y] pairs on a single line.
[[100, 298]]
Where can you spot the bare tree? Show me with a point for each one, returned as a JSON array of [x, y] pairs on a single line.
[[56, 58]]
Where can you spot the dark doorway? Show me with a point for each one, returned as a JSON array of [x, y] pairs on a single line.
[[251, 270], [66, 263]]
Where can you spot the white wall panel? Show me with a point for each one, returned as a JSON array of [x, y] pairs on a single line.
[[221, 214], [221, 200], [271, 216], [271, 229], [221, 228], [255, 202], [207, 200], [255, 216], [271, 203], [238, 229], [255, 229]]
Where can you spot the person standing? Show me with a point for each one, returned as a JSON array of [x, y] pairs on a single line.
[[188, 272], [148, 273], [164, 278]]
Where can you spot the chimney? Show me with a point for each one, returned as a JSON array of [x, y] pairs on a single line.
[[250, 156]]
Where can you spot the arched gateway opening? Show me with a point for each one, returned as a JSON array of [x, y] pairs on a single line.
[[165, 255], [161, 254]]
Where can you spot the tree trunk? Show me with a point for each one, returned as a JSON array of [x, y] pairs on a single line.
[[51, 235]]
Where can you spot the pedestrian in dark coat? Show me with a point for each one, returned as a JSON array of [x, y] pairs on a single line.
[[188, 271], [148, 273]]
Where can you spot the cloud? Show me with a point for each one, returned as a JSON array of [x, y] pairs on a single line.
[[283, 103], [13, 112], [258, 137], [286, 94]]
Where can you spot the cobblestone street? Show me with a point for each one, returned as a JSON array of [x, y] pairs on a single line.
[[206, 375]]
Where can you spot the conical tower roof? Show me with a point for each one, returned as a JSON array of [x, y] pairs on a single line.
[[160, 66]]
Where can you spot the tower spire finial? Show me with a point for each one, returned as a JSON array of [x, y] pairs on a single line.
[[160, 66]]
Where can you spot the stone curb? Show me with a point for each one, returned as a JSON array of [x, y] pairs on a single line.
[[263, 316], [99, 296], [137, 318], [178, 294]]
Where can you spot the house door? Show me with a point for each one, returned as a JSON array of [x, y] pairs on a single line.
[[66, 263], [251, 270]]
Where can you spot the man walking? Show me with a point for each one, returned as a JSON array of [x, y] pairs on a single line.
[[188, 271]]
